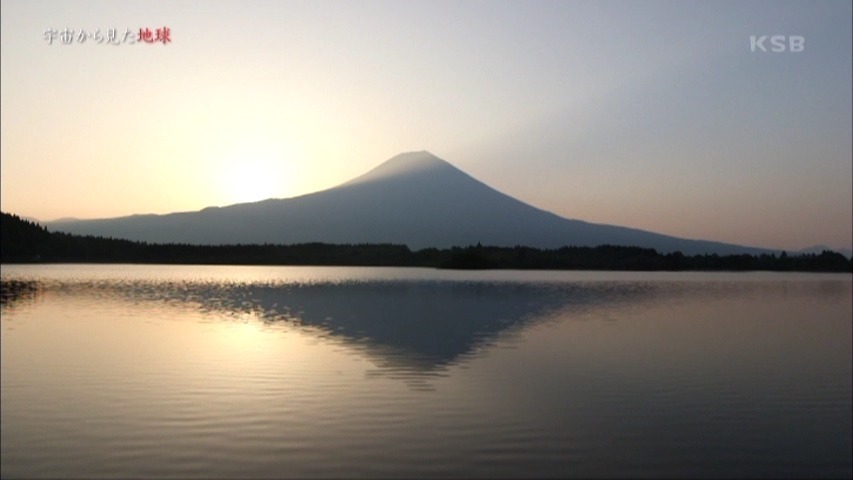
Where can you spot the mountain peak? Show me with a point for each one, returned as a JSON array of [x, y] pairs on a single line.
[[403, 165], [419, 157]]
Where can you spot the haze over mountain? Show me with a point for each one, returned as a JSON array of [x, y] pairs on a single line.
[[414, 199]]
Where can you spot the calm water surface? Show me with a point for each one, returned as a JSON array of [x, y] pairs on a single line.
[[188, 371]]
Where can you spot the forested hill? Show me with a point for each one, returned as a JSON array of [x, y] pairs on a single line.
[[22, 241]]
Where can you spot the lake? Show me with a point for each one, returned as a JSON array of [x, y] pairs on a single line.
[[216, 371]]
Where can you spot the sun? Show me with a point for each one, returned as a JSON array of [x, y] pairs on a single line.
[[258, 174], [253, 179]]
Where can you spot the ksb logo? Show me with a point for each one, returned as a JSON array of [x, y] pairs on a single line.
[[778, 43]]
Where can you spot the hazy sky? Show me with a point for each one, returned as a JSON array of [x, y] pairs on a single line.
[[649, 114]]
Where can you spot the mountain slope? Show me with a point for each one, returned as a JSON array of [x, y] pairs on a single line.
[[414, 198]]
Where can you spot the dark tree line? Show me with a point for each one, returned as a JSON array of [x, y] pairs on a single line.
[[23, 241], [612, 257]]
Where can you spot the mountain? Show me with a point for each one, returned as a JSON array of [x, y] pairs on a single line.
[[414, 198]]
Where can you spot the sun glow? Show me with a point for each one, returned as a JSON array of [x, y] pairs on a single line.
[[258, 173]]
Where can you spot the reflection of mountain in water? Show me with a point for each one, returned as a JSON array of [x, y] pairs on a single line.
[[430, 323], [417, 326], [413, 324]]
